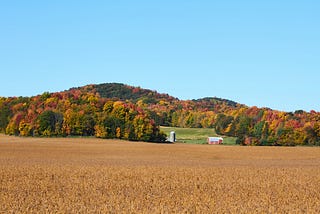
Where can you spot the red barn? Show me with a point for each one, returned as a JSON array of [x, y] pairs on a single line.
[[215, 140]]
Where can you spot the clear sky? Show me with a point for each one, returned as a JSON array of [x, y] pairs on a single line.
[[259, 53]]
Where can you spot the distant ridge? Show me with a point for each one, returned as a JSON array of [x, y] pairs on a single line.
[[126, 92], [117, 110]]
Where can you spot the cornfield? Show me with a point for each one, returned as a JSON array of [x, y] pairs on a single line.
[[84, 175]]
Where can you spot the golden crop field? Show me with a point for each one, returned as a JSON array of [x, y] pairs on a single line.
[[87, 175]]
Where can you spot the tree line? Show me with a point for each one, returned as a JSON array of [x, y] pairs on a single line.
[[77, 113], [120, 111], [251, 125]]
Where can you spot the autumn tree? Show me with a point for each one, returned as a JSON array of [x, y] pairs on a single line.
[[222, 122], [5, 114], [49, 123]]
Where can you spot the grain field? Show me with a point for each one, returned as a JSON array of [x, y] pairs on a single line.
[[84, 175]]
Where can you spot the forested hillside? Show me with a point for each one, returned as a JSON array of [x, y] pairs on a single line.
[[114, 110], [77, 112]]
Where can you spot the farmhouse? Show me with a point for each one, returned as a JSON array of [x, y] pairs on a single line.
[[215, 140]]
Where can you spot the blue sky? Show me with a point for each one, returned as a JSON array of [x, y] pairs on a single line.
[[259, 53]]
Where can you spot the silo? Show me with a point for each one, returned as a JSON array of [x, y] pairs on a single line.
[[172, 137]]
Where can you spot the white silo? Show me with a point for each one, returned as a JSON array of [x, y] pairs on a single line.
[[172, 137]]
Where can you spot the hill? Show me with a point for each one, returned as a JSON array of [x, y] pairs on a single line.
[[115, 110], [126, 92]]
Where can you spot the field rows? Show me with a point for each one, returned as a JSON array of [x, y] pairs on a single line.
[[39, 175]]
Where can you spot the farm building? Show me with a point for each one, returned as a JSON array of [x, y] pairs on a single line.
[[215, 140], [172, 137]]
